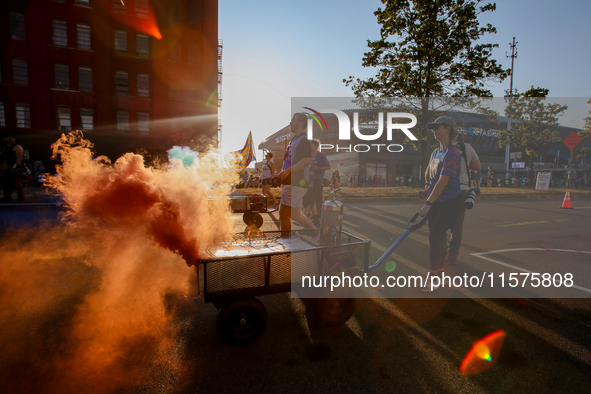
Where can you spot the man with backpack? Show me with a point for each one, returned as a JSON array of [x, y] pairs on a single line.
[[470, 165]]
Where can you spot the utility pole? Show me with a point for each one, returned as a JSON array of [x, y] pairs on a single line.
[[510, 96]]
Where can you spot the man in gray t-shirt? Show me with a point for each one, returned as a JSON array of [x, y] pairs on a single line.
[[295, 176]]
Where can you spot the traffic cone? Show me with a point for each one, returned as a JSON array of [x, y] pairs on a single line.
[[566, 202]]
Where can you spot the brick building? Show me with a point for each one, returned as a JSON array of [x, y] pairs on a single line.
[[132, 74]]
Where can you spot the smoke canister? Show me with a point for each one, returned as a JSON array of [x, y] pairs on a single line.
[[331, 223]]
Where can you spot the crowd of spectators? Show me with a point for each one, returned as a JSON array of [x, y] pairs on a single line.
[[552, 165], [250, 181], [356, 180], [526, 182]]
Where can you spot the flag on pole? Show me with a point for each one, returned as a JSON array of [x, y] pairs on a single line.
[[245, 155]]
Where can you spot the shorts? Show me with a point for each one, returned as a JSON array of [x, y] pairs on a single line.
[[292, 196], [266, 181]]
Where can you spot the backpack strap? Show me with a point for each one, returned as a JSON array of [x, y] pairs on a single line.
[[462, 147]]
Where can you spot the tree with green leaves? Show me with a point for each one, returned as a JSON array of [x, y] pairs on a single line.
[[533, 123], [535, 92], [583, 150], [427, 49]]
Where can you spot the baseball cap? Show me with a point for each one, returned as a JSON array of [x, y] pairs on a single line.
[[443, 120]]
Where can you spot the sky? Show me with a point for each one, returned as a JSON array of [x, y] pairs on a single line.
[[276, 50]]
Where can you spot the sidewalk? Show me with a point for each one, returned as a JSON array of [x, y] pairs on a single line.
[[45, 196], [405, 193], [36, 196]]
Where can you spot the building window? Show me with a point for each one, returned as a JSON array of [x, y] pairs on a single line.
[[23, 115], [82, 2], [83, 33], [143, 123], [20, 74], [2, 115], [121, 82], [120, 6], [87, 118], [84, 79], [143, 85], [192, 13], [16, 23], [141, 8], [174, 14], [62, 76], [60, 32], [193, 52], [174, 53], [142, 45], [120, 41], [64, 120], [123, 121]]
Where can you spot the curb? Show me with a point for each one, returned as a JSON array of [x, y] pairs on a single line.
[[479, 198]]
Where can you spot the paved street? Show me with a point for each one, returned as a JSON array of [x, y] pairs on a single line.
[[390, 345]]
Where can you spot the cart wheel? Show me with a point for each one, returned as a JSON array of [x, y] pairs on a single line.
[[242, 321], [248, 218], [253, 218], [334, 312], [258, 220]]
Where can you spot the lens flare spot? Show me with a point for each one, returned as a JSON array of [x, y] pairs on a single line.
[[212, 100], [483, 354], [302, 182], [390, 266], [482, 351]]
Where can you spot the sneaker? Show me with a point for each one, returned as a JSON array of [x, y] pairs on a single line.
[[427, 285], [450, 259]]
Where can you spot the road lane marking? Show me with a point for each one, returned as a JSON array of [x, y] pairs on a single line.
[[480, 255], [521, 224]]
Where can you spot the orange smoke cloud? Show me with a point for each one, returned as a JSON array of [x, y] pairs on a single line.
[[95, 292], [130, 194]]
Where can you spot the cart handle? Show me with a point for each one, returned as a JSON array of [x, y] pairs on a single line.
[[412, 226]]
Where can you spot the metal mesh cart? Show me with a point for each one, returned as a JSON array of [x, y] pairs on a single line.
[[232, 274]]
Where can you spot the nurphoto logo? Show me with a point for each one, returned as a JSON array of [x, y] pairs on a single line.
[[345, 129]]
